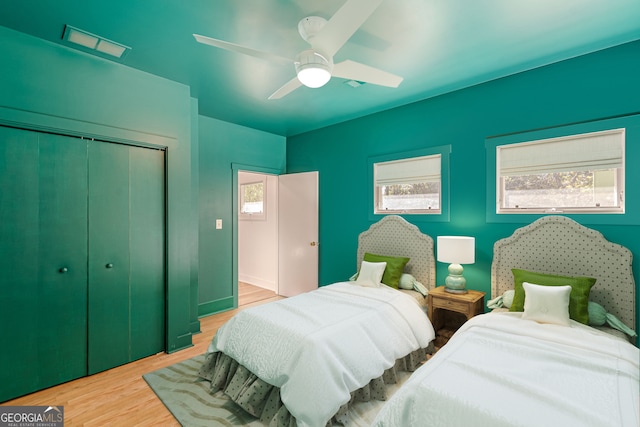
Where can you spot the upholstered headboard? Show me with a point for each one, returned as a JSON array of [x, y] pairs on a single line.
[[394, 236], [559, 245]]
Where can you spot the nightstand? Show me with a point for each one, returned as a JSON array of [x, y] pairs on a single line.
[[469, 305]]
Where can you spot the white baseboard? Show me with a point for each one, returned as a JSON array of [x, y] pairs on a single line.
[[257, 281]]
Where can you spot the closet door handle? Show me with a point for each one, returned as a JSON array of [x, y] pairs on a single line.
[[109, 265], [63, 270]]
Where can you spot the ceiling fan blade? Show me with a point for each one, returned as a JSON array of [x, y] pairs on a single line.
[[364, 73], [285, 90], [240, 49], [343, 24]]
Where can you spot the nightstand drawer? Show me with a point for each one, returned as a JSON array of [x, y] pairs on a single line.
[[461, 307]]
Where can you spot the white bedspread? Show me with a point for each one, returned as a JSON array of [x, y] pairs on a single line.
[[320, 346], [500, 370]]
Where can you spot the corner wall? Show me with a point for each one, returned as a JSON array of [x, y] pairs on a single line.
[[45, 86], [586, 88], [223, 146]]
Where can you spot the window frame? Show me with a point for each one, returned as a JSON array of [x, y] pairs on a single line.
[[588, 210], [261, 216], [631, 216], [416, 215], [378, 188]]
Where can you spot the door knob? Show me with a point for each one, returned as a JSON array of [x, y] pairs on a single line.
[[109, 265], [63, 270], [313, 243]]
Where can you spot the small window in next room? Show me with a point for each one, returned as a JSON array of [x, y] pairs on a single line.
[[578, 173], [252, 200], [408, 186]]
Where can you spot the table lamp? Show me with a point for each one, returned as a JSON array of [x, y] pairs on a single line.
[[456, 250]]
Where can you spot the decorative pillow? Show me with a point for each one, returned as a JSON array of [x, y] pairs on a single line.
[[395, 267], [598, 316], [420, 288], [547, 304], [580, 289], [505, 300], [371, 274], [406, 281]]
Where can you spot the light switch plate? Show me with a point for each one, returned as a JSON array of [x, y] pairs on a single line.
[[218, 224]]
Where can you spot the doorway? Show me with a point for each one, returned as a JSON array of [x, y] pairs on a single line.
[[257, 236], [287, 261]]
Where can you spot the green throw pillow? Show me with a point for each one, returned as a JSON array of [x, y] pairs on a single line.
[[578, 300], [395, 267]]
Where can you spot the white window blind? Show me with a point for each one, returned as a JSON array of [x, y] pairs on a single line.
[[591, 151], [409, 171]]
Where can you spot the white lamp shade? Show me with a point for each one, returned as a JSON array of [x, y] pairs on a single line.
[[456, 249]]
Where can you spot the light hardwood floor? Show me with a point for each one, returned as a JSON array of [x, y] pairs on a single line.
[[119, 396], [248, 294]]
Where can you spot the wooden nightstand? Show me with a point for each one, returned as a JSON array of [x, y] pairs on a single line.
[[469, 304]]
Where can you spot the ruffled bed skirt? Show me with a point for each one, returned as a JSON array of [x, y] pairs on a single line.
[[262, 400]]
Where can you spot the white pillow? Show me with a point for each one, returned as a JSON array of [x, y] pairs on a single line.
[[371, 274], [546, 304]]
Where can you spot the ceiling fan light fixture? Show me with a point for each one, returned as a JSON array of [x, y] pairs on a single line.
[[314, 77], [313, 69]]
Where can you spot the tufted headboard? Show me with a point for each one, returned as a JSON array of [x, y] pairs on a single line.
[[394, 236], [559, 245]]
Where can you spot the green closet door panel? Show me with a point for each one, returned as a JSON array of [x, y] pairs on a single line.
[[19, 201], [108, 256], [147, 239], [62, 266]]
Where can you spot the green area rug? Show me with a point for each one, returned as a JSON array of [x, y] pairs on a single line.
[[187, 397]]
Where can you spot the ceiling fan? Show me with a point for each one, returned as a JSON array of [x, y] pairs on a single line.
[[315, 66]]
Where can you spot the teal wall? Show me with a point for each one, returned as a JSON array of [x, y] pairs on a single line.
[[45, 86], [586, 88], [222, 147]]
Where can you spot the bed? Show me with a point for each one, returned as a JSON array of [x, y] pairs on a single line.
[[304, 360], [535, 367]]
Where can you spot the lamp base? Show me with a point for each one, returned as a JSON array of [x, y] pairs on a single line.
[[456, 291], [455, 283]]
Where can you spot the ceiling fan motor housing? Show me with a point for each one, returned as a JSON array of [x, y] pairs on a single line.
[[310, 26]]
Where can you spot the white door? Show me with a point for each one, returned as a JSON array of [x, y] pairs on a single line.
[[297, 233]]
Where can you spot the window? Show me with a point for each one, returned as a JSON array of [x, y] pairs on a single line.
[[252, 200], [408, 186], [579, 173]]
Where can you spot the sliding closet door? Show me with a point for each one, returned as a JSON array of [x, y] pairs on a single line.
[[42, 260], [62, 254], [19, 214], [147, 252], [126, 254], [108, 256]]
